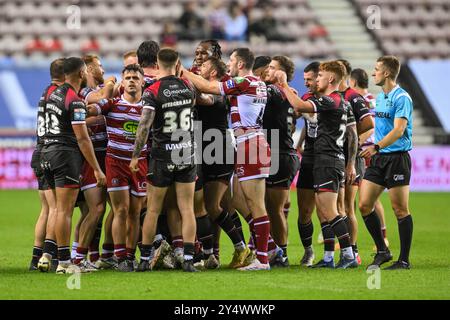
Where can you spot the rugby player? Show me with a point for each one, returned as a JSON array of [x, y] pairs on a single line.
[[65, 136], [390, 166], [329, 161], [168, 106], [126, 190], [45, 248], [130, 57], [248, 100]]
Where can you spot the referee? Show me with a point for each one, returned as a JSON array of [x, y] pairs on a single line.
[[390, 166]]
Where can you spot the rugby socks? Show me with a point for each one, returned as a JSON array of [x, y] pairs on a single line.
[[306, 233], [347, 222], [284, 248], [95, 243], [216, 229], [251, 240], [328, 241], [383, 231], [189, 250], [146, 252], [225, 222], [271, 245], [73, 254], [373, 225], [237, 223], [262, 230], [51, 248], [64, 254], [405, 229], [107, 250], [120, 251], [177, 242], [81, 255], [37, 254], [205, 235], [355, 249], [340, 230], [131, 254]]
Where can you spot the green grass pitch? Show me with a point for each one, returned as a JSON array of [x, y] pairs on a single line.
[[429, 277]]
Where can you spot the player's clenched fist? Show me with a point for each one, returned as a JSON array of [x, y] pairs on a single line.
[[281, 77], [100, 177], [134, 165]]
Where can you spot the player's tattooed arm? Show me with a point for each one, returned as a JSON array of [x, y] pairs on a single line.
[[147, 117]]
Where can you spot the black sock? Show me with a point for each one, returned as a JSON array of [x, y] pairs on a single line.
[[347, 223], [64, 253], [225, 222], [405, 229], [205, 234], [306, 233], [237, 223], [284, 248], [37, 254], [189, 250], [374, 226], [146, 251], [341, 232], [328, 236], [51, 248], [355, 248]]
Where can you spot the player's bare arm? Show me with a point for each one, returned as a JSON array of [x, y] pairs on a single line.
[[86, 148], [395, 134], [147, 117], [200, 83], [301, 140], [352, 139], [104, 93], [298, 104], [365, 125]]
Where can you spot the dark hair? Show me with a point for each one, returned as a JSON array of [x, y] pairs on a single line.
[[287, 65], [147, 53], [218, 65], [392, 64], [57, 69], [347, 65], [167, 57], [246, 56], [133, 67], [261, 61], [72, 65], [215, 46], [313, 66], [361, 78]]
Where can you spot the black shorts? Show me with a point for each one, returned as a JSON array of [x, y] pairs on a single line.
[[217, 172], [62, 168], [38, 171], [162, 174], [328, 179], [390, 170], [305, 176], [360, 168], [287, 169]]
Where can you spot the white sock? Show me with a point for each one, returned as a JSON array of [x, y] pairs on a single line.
[[73, 254], [239, 246], [328, 256], [348, 253]]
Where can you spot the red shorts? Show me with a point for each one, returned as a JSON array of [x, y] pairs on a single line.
[[119, 177], [88, 180], [252, 159]]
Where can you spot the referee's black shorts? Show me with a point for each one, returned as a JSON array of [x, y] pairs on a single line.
[[389, 169]]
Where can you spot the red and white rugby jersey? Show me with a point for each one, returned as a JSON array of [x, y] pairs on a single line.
[[248, 101], [122, 120], [99, 136], [371, 100]]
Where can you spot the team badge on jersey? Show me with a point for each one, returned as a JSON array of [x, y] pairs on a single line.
[[230, 84]]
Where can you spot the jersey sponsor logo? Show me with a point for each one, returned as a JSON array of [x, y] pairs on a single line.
[[178, 146], [327, 99], [54, 108], [133, 110], [168, 93], [79, 114], [78, 103], [230, 84], [238, 80], [130, 127], [399, 177], [386, 115], [177, 103]]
